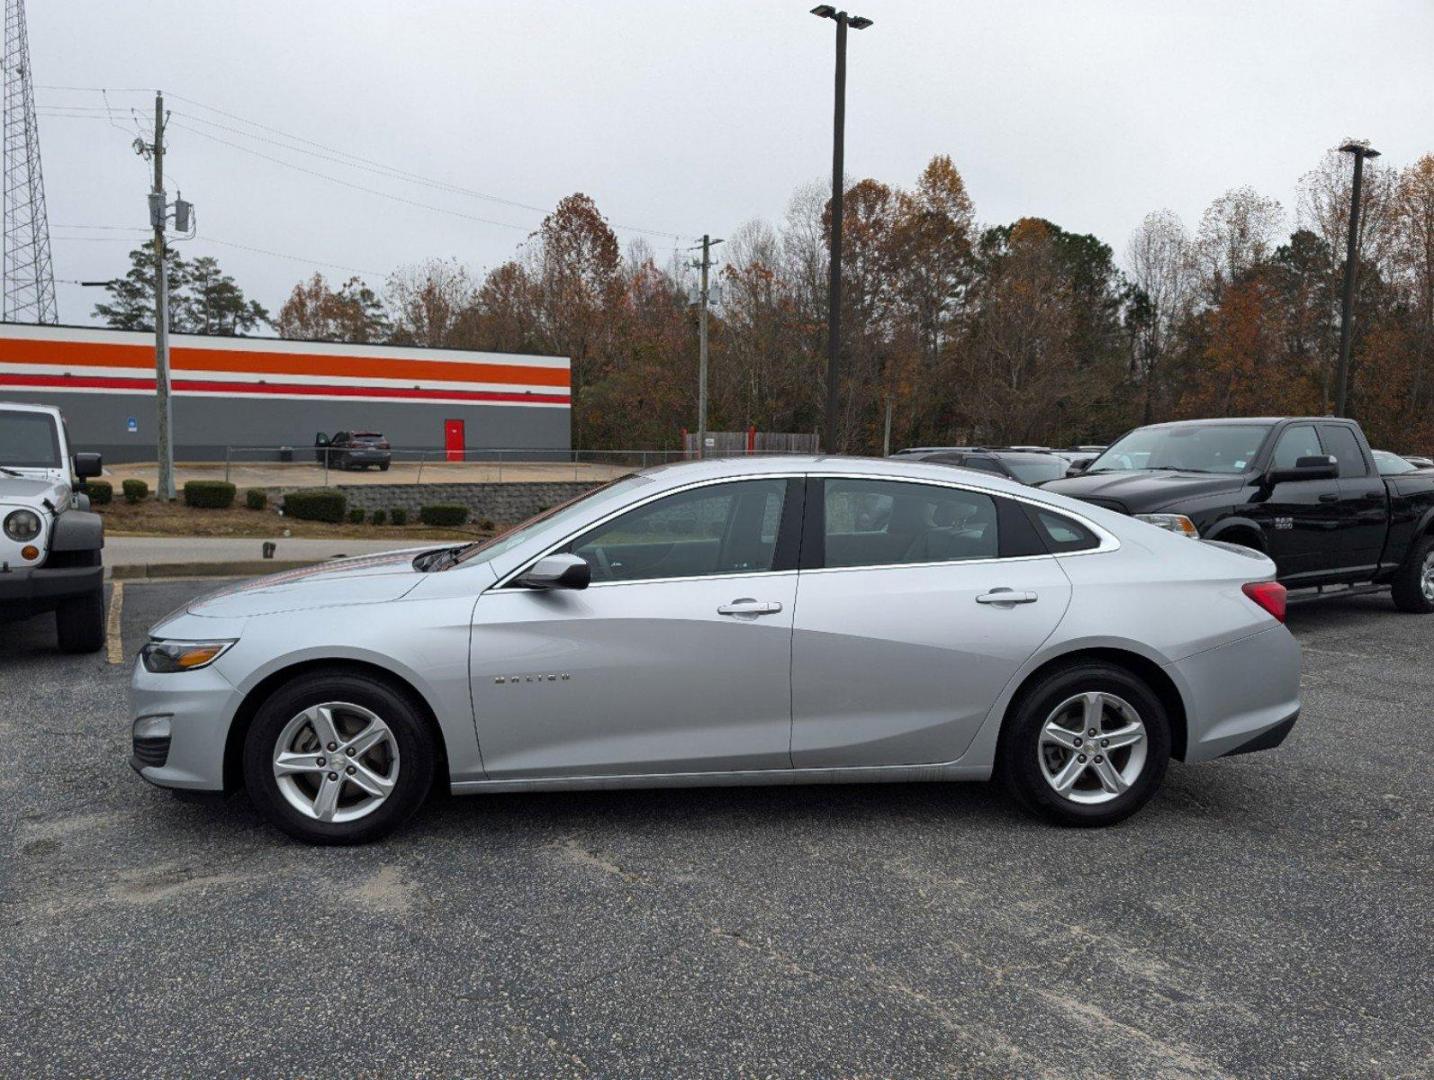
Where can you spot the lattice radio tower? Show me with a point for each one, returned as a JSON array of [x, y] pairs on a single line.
[[29, 278]]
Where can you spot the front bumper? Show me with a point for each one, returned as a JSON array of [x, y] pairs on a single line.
[[40, 588], [1240, 697], [200, 706]]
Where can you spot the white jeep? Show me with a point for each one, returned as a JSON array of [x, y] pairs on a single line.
[[49, 540]]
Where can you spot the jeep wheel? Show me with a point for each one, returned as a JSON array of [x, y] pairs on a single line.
[[80, 623]]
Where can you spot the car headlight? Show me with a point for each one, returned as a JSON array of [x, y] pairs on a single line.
[[22, 525], [1176, 523], [163, 657]]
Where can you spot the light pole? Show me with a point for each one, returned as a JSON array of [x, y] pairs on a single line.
[[855, 22], [1360, 150]]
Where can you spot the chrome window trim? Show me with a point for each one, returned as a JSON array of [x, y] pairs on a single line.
[[1108, 541], [709, 482]]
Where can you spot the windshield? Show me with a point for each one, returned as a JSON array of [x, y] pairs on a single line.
[[1036, 469], [552, 518], [1390, 464], [28, 440], [1208, 448]]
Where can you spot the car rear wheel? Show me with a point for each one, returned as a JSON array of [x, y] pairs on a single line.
[[338, 758], [1413, 584], [1087, 745], [80, 623]]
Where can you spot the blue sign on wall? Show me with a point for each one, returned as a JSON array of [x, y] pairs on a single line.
[[131, 426]]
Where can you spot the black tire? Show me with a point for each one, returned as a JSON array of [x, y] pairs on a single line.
[[80, 623], [1019, 757], [417, 755], [383, 467], [1407, 586]]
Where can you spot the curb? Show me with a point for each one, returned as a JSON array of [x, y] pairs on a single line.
[[235, 568]]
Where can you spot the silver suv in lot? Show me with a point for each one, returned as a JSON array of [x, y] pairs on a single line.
[[774, 621], [49, 540]]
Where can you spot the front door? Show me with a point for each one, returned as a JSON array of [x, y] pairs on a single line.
[[902, 641], [454, 442], [676, 659], [1299, 518]]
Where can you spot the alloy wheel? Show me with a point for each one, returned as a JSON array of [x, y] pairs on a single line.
[[1426, 578], [1092, 747], [336, 762]]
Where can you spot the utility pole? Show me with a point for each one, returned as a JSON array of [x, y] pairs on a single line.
[[703, 296], [856, 22], [1360, 150], [158, 212]]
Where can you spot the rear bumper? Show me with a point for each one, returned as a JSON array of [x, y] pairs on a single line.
[[1240, 697], [31, 589]]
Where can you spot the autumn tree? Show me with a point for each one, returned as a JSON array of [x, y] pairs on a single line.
[[1161, 259], [316, 312], [431, 304]]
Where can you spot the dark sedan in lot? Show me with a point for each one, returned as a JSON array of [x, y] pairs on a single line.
[[1031, 467]]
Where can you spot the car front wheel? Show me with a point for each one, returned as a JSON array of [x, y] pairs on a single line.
[[1087, 745], [338, 758]]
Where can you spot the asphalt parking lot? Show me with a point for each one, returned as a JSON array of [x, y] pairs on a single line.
[[1267, 916]]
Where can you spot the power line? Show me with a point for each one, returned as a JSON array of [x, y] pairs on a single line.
[[347, 159]]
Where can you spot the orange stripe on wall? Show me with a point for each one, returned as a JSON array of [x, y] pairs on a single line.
[[236, 361]]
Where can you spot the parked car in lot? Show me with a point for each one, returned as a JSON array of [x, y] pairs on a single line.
[[948, 625], [1391, 464], [1419, 462], [1304, 490], [1032, 467], [353, 450], [50, 542]]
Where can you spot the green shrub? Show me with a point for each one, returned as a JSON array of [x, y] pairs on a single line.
[[356, 516], [209, 494], [443, 515], [399, 516], [100, 491], [486, 524], [316, 504], [134, 490], [256, 498], [379, 517]]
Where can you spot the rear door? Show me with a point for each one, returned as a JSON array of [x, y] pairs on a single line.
[[917, 604], [1363, 510]]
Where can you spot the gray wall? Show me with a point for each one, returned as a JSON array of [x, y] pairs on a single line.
[[203, 425], [502, 504]]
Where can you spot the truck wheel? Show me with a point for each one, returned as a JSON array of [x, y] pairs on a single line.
[[80, 623], [1413, 584]]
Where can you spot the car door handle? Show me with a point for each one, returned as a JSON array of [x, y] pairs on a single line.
[[1006, 596], [748, 606], [1329, 497]]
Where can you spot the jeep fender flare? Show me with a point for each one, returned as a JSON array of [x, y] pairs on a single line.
[[78, 530]]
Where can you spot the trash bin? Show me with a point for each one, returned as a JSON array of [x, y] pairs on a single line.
[[286, 453]]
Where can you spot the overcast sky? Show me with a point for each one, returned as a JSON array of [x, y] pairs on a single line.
[[680, 117]]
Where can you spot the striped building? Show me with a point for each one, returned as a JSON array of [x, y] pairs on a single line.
[[238, 391]]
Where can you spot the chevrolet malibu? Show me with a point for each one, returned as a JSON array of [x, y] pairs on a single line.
[[768, 621]]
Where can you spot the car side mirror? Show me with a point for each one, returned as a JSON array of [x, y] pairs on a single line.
[[557, 572], [88, 465], [1313, 467]]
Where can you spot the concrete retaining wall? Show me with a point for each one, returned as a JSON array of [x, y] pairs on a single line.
[[502, 504]]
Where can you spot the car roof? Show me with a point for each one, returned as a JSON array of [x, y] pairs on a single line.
[[676, 474], [1228, 421]]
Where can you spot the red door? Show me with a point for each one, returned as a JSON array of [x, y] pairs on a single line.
[[453, 440]]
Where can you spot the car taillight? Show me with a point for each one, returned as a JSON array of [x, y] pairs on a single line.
[[1270, 595]]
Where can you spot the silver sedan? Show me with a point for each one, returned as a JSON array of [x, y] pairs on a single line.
[[757, 621]]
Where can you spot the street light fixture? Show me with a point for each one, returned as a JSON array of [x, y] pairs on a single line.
[[843, 22], [1361, 149]]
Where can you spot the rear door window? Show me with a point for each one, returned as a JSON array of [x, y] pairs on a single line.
[[1345, 447], [890, 523]]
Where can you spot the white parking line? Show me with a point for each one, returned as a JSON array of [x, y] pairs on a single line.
[[114, 639]]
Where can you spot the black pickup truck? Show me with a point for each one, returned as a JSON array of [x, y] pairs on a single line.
[[1303, 490]]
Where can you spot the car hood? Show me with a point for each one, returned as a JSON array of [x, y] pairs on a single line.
[[28, 491], [1142, 490], [365, 579]]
